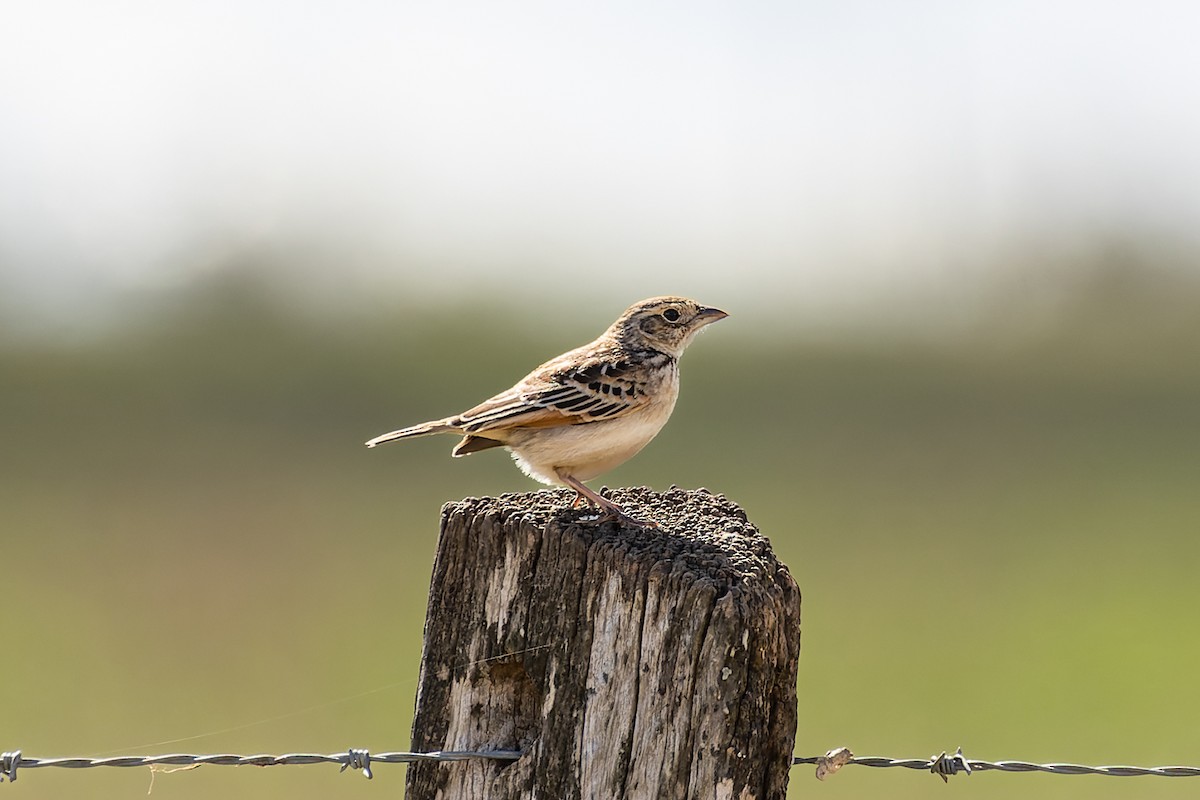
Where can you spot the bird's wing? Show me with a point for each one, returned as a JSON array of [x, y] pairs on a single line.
[[562, 392]]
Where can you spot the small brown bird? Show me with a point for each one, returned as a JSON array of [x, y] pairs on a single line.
[[592, 408]]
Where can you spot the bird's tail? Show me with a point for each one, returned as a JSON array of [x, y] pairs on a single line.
[[425, 428]]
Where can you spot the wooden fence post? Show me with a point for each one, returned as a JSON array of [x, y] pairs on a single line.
[[623, 663]]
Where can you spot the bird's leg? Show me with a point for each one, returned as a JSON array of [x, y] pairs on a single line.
[[611, 511]]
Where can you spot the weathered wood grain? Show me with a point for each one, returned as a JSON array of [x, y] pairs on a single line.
[[625, 663]]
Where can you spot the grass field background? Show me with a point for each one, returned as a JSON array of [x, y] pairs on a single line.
[[995, 531]]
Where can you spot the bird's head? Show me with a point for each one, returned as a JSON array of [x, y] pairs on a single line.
[[666, 324]]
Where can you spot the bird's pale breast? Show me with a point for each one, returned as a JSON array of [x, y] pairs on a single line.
[[588, 450]]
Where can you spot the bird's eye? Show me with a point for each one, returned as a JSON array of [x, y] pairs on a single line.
[[671, 315]]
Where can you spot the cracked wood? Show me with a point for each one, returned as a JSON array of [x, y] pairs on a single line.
[[625, 663]]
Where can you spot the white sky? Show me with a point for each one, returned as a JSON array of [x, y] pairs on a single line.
[[822, 150]]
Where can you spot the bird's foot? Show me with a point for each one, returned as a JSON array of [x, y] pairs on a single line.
[[615, 514], [611, 512]]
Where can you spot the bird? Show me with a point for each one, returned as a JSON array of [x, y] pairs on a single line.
[[590, 409]]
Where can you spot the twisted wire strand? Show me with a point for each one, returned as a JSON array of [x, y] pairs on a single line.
[[360, 759], [352, 759], [945, 766]]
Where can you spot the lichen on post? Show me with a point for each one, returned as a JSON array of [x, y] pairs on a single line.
[[623, 662]]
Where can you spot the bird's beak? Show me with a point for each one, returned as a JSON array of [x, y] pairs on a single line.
[[707, 315]]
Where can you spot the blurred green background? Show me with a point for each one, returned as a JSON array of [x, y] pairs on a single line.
[[959, 389], [995, 536]]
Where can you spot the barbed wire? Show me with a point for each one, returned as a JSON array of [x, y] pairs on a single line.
[[946, 765], [353, 759], [359, 759]]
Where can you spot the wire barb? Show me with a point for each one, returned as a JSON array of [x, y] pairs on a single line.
[[358, 759], [944, 766], [832, 761], [8, 766]]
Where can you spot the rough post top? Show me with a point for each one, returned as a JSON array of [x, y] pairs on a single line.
[[698, 531]]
